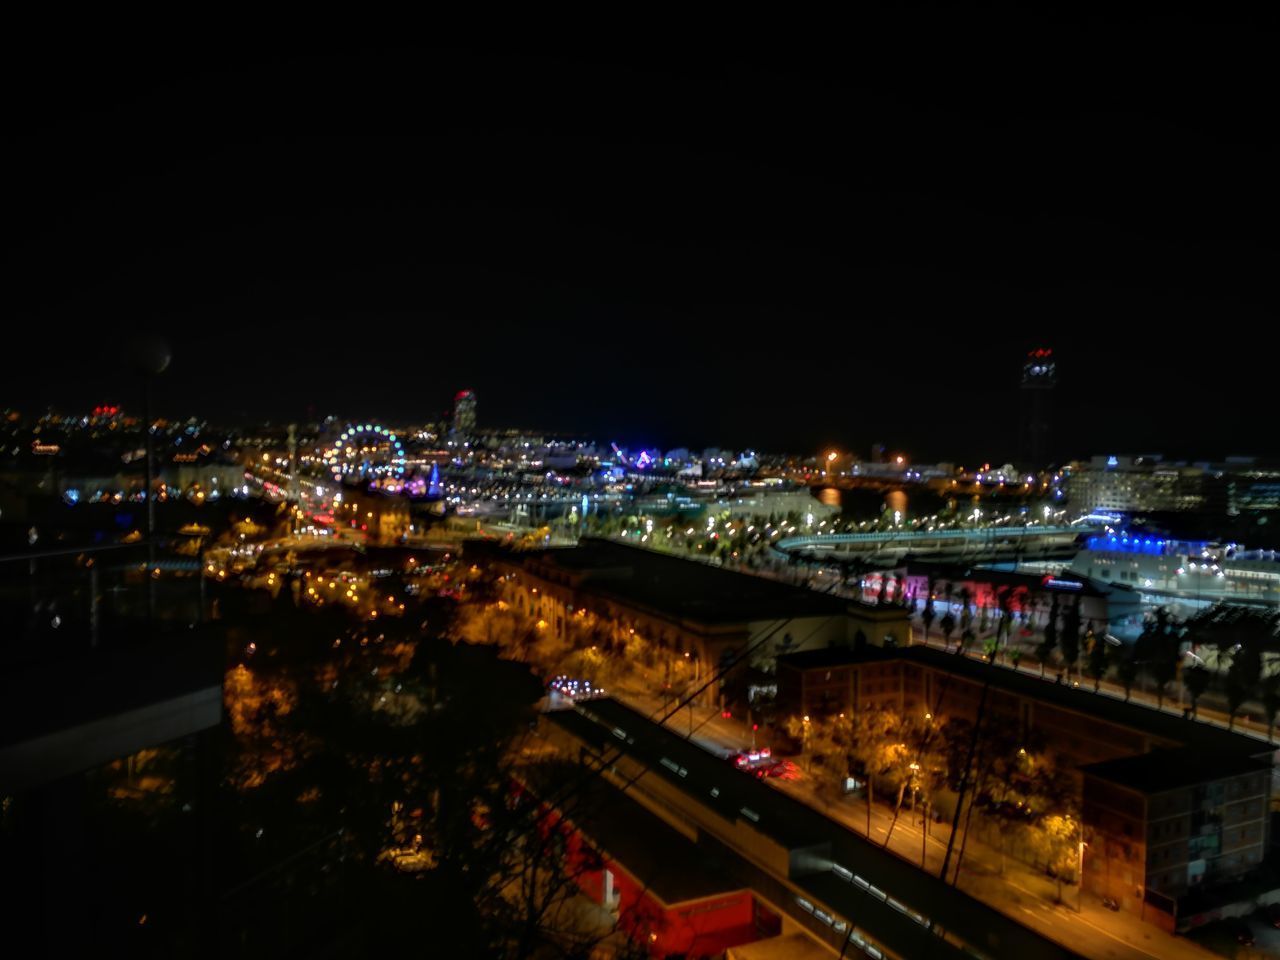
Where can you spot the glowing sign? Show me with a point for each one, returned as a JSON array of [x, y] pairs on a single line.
[[1055, 583]]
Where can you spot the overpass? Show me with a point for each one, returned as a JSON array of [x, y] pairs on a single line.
[[847, 893], [1032, 541]]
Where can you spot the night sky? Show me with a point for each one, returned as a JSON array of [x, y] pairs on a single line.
[[830, 236]]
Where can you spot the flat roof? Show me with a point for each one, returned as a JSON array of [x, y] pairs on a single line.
[[790, 946], [684, 589], [1208, 737], [826, 657], [1162, 770], [664, 861]]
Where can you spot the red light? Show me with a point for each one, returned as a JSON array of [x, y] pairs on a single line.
[[726, 715], [755, 726]]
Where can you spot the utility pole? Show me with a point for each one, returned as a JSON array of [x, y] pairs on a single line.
[[93, 601], [152, 360], [150, 494], [295, 490]]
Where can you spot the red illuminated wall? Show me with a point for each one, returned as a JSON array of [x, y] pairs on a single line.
[[695, 928]]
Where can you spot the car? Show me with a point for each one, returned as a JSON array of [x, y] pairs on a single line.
[[753, 760], [783, 770], [1273, 914], [1240, 930], [574, 689], [763, 764]]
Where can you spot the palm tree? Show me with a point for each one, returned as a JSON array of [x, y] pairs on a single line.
[[1097, 649], [1197, 681], [1126, 672], [991, 647], [1044, 652], [928, 614], [1004, 629], [948, 625], [1069, 639], [948, 622], [1163, 666], [1242, 679], [1271, 701]]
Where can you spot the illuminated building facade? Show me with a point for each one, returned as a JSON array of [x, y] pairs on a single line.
[[1136, 484], [1187, 570], [1147, 483]]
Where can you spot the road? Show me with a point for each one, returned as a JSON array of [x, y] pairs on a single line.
[[1014, 888]]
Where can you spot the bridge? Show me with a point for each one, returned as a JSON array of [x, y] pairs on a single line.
[[1029, 542]]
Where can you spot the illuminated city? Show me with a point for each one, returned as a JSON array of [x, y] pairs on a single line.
[[546, 535]]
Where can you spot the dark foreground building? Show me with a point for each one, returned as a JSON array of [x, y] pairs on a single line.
[[88, 681]]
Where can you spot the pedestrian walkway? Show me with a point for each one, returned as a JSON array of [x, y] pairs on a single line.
[[1171, 705]]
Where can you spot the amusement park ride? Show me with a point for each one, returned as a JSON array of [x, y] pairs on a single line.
[[373, 455]]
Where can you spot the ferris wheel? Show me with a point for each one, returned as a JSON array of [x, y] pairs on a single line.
[[365, 451]]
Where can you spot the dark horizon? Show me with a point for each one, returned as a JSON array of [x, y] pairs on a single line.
[[784, 248]]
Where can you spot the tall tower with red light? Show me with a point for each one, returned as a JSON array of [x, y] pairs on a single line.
[[464, 413], [1035, 407]]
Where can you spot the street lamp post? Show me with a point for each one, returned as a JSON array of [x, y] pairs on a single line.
[[1080, 879], [804, 744]]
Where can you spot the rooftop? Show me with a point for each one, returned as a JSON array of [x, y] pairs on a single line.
[[1162, 770], [828, 657], [680, 588], [1165, 726], [791, 946], [667, 863]]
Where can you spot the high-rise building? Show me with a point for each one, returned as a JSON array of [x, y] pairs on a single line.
[[1136, 484], [464, 413], [1039, 377]]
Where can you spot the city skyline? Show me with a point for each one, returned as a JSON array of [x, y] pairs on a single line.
[[646, 492]]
